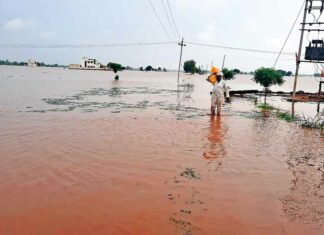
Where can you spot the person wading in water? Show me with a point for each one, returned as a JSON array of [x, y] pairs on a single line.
[[217, 95]]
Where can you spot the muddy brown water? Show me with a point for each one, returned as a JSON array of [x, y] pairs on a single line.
[[92, 157]]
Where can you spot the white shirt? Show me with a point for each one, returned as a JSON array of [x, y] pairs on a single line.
[[220, 88]]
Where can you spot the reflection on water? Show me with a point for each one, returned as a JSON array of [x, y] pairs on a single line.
[[216, 137], [185, 92]]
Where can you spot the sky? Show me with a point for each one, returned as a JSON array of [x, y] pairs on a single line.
[[255, 24]]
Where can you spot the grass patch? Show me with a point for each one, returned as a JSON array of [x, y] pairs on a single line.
[[282, 115], [266, 107], [285, 116], [315, 123]]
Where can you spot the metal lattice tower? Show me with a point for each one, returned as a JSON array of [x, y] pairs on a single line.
[[315, 50]]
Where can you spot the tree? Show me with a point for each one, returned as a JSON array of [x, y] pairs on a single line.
[[198, 70], [283, 72], [236, 71], [190, 66], [228, 74], [267, 77], [149, 68], [141, 69], [115, 67], [164, 70], [289, 73]]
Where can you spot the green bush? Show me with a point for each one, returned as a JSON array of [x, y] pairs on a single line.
[[149, 68], [228, 74], [266, 107], [190, 66], [267, 77], [115, 67], [285, 116]]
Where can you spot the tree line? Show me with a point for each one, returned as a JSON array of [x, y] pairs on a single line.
[[40, 64], [150, 68], [190, 67], [119, 67]]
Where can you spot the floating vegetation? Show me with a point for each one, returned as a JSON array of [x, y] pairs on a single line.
[[190, 173], [120, 99], [186, 227]]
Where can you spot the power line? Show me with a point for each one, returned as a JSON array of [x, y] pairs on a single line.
[[175, 26], [288, 36], [83, 45], [166, 13], [238, 48], [156, 14], [261, 58], [103, 45]]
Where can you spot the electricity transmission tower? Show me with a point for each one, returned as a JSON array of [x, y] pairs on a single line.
[[315, 50]]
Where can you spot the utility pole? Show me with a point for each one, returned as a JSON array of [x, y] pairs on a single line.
[[182, 45], [298, 56], [223, 62], [319, 95]]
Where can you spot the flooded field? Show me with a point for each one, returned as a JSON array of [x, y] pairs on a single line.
[[81, 153]]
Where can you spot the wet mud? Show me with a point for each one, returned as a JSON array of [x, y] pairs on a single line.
[[304, 203]]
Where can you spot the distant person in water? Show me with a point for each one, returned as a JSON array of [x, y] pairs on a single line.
[[217, 95]]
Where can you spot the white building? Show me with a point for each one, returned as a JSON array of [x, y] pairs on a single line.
[[89, 63], [32, 63]]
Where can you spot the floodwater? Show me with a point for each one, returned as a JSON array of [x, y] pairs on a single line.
[[81, 153]]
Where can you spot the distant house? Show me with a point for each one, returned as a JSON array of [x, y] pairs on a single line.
[[32, 63], [90, 63]]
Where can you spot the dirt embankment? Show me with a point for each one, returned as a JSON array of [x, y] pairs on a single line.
[[301, 96]]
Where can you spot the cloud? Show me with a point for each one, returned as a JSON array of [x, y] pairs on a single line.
[[46, 35], [251, 25], [277, 42], [16, 24], [209, 35], [274, 42]]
